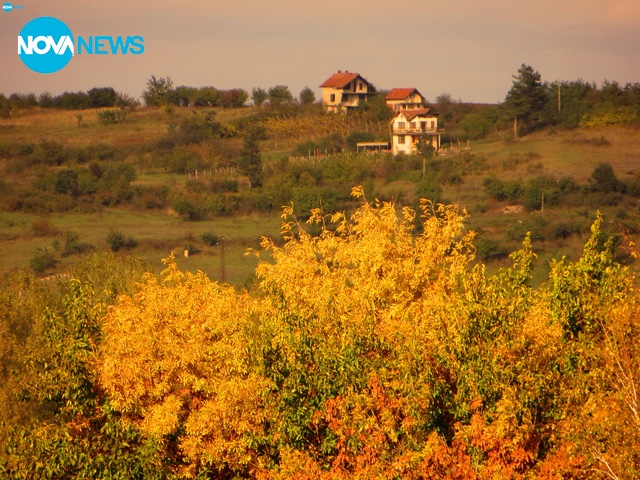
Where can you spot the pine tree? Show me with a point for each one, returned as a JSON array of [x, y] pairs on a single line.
[[527, 97], [250, 162]]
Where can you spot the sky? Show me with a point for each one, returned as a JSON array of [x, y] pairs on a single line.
[[467, 48]]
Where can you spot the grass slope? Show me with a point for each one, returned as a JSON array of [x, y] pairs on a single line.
[[570, 153]]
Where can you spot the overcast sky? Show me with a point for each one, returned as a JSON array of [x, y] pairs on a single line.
[[468, 48]]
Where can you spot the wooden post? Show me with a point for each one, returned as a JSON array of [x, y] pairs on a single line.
[[559, 97], [223, 266]]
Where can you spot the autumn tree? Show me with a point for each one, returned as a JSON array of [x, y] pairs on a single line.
[[369, 348], [175, 363]]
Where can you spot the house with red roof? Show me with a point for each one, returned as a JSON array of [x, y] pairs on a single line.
[[345, 90], [411, 127], [405, 99]]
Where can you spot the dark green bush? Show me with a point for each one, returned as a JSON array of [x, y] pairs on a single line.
[[73, 246], [119, 241], [189, 209], [42, 261], [489, 249], [535, 225], [502, 190], [211, 239]]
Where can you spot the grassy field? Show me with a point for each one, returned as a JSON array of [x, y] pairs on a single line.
[[157, 234], [558, 154], [571, 153]]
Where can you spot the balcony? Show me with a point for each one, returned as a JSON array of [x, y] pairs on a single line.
[[416, 131]]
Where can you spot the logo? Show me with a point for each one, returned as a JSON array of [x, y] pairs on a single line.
[[7, 7], [47, 45]]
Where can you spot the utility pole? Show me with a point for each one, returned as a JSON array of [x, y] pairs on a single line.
[[559, 97]]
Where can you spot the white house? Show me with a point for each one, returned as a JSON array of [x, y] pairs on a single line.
[[405, 99], [409, 127]]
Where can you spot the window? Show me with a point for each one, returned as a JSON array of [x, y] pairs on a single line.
[[332, 98], [401, 139], [402, 125], [413, 125]]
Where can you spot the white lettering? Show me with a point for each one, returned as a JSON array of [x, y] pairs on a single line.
[[42, 44], [23, 47], [41, 39]]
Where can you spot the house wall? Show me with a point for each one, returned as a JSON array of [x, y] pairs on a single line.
[[326, 98], [400, 123], [353, 90], [410, 144], [406, 134], [413, 101], [402, 144]]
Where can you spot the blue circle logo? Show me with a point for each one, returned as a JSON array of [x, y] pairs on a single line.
[[45, 45]]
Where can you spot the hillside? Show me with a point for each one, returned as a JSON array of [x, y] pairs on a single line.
[[69, 180], [382, 342]]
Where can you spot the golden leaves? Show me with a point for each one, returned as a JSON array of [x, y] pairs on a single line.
[[174, 354], [371, 351]]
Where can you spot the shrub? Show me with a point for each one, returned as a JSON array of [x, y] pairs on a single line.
[[50, 152], [189, 209], [534, 225], [118, 241], [113, 117], [223, 185], [603, 179], [489, 249], [211, 239], [357, 137], [72, 245], [44, 228], [609, 115], [502, 190], [42, 261], [430, 190]]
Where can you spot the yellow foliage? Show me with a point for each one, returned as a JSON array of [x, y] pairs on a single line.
[[370, 351], [174, 354]]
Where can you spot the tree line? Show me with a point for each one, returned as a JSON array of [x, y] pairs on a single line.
[[160, 91], [530, 103], [537, 104], [98, 97]]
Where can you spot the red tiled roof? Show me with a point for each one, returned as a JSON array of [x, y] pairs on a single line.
[[421, 112], [400, 93], [341, 79]]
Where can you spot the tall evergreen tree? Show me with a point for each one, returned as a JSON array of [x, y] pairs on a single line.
[[527, 98], [250, 162]]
